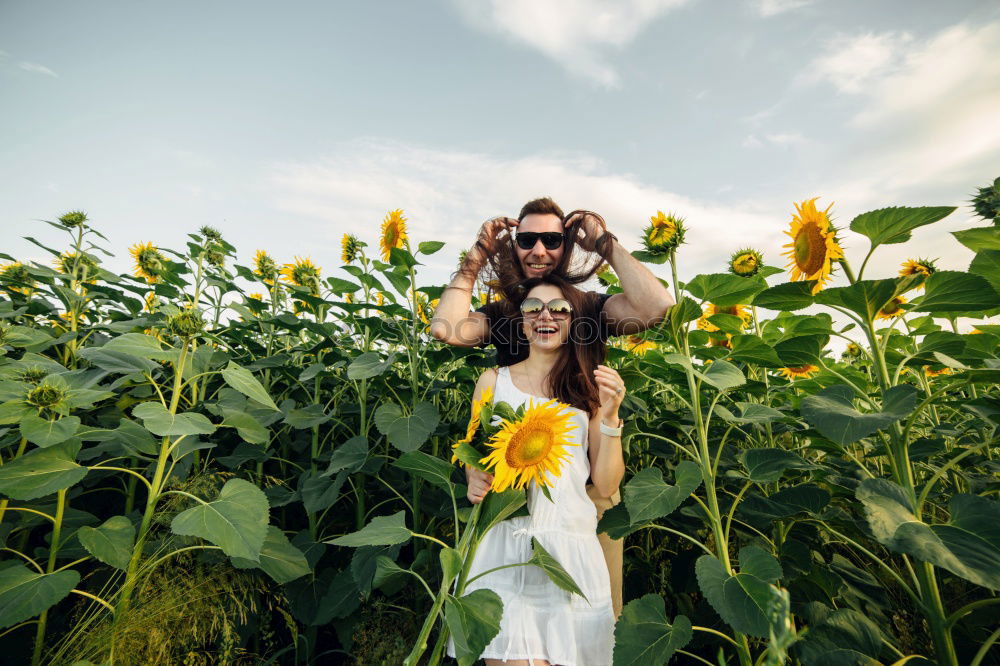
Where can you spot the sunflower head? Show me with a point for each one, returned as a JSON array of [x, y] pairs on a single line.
[[664, 233], [215, 256], [814, 245], [348, 298], [986, 203], [892, 309], [186, 324], [530, 448], [639, 346], [83, 264], [923, 267], [265, 267], [799, 371], [73, 219], [150, 264], [257, 296], [936, 372], [47, 396], [15, 277], [393, 232], [741, 311], [470, 430], [853, 350], [746, 262], [303, 273], [210, 233], [350, 246]]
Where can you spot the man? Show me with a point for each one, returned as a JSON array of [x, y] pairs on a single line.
[[543, 240]]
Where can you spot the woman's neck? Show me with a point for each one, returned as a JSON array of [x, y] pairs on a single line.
[[539, 363]]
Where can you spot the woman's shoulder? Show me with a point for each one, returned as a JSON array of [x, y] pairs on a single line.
[[487, 380]]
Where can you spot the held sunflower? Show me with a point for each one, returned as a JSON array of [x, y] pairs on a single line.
[[150, 263], [393, 232], [814, 245], [530, 448]]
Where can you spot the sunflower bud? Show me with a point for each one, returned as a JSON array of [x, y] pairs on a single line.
[[210, 233], [746, 262], [265, 267], [987, 202], [33, 375], [73, 219], [215, 256], [664, 233], [186, 324], [46, 396]]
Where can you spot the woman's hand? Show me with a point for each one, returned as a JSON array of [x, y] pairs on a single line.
[[611, 390], [479, 484], [487, 241]]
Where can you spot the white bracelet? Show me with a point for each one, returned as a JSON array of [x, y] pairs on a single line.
[[612, 432]]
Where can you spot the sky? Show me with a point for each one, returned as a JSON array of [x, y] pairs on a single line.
[[286, 125]]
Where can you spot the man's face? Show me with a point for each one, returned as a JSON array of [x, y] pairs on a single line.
[[538, 260]]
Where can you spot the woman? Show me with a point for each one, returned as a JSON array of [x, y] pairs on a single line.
[[543, 624]]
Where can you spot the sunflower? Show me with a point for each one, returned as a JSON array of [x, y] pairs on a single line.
[[986, 203], [892, 309], [923, 267], [804, 371], [814, 244], [265, 267], [664, 233], [606, 276], [73, 219], [348, 298], [149, 262], [639, 346], [746, 262], [380, 299], [931, 372], [151, 301], [975, 331], [853, 350], [531, 447], [736, 310], [470, 430], [303, 273], [257, 296], [15, 277], [84, 264], [393, 232], [350, 246]]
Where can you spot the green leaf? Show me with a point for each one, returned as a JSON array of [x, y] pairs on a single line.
[[841, 637], [116, 361], [768, 465], [451, 563], [236, 521], [46, 433], [954, 291], [134, 436], [832, 413], [788, 297], [802, 350], [542, 559], [318, 491], [740, 600], [752, 349], [381, 531], [429, 247], [307, 417], [141, 345], [647, 497], [351, 455], [724, 375], [248, 427], [865, 298], [986, 264], [42, 472], [368, 365], [968, 545], [643, 635], [341, 286], [243, 381], [497, 507], [430, 469], [753, 412], [725, 289], [685, 311], [979, 239], [406, 433], [650, 258], [159, 421], [888, 226], [111, 542], [25, 593], [278, 558], [473, 620]]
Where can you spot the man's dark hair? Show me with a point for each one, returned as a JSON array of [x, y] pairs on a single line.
[[503, 274]]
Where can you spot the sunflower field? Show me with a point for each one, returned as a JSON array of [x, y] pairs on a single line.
[[226, 461]]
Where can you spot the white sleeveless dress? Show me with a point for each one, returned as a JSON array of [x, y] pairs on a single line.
[[540, 620]]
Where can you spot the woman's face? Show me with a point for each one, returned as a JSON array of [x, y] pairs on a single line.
[[544, 330]]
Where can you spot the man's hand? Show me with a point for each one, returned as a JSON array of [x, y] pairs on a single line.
[[488, 240], [592, 227]]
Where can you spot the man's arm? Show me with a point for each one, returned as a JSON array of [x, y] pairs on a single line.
[[644, 300]]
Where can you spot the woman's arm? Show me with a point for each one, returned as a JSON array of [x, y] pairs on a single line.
[[607, 465], [480, 482]]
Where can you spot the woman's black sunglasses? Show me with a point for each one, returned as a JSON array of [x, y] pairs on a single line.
[[550, 239]]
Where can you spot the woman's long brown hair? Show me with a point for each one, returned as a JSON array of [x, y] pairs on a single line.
[[572, 377]]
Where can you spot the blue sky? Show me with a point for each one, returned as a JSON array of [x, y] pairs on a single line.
[[288, 124]]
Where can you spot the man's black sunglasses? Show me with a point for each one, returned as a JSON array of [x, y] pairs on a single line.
[[550, 239]]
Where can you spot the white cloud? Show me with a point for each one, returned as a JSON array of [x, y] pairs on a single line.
[[767, 8], [853, 63], [448, 194], [784, 139], [36, 68], [575, 33]]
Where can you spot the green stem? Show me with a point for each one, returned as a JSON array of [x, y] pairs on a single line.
[[36, 656]]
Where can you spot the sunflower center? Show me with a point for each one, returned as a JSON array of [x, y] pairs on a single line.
[[529, 447], [810, 249], [745, 263], [892, 307]]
